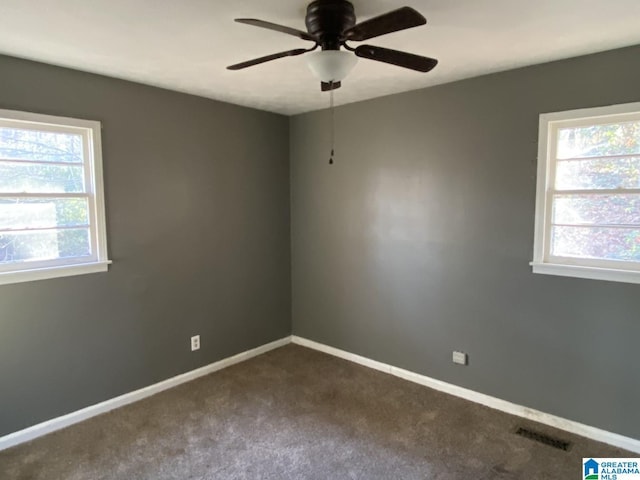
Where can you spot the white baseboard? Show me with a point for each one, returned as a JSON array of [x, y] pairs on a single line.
[[78, 416], [587, 431], [64, 421]]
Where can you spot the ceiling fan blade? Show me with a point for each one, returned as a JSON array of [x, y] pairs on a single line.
[[325, 87], [278, 28], [395, 57], [267, 58], [400, 19]]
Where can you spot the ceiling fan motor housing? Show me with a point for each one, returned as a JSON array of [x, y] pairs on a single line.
[[327, 19]]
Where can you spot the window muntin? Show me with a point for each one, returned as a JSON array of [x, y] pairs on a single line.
[[588, 205], [51, 199]]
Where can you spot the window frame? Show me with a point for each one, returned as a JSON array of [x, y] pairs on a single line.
[[98, 261], [543, 262]]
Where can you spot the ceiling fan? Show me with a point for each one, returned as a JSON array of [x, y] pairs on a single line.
[[330, 25]]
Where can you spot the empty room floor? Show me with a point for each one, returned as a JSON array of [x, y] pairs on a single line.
[[295, 413]]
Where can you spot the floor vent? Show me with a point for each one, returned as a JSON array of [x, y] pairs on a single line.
[[542, 438]]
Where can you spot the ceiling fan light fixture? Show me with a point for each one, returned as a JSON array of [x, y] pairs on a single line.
[[331, 65]]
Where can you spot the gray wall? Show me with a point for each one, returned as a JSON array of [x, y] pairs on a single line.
[[197, 197], [417, 241]]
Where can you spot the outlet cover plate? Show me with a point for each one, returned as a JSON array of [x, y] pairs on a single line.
[[460, 358]]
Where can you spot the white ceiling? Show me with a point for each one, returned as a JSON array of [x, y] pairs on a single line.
[[185, 45]]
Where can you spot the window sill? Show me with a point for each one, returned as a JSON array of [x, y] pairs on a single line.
[[593, 273], [53, 272]]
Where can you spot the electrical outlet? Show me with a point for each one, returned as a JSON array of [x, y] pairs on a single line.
[[460, 358], [195, 343]]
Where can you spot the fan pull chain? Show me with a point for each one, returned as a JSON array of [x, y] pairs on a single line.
[[333, 123]]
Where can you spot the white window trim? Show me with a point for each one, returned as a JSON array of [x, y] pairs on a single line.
[[99, 262], [581, 268]]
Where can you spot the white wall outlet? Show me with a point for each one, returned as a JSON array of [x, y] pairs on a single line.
[[460, 358], [195, 343]]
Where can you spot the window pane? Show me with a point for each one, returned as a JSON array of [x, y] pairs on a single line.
[[44, 245], [597, 140], [16, 177], [19, 144], [596, 243], [22, 213], [609, 173], [597, 209]]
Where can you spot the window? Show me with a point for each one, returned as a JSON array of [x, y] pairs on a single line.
[[588, 195], [52, 221]]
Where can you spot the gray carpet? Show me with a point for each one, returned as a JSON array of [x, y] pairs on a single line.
[[295, 413]]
